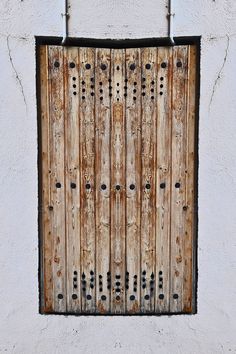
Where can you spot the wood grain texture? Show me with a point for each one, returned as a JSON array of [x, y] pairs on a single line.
[[148, 191], [178, 182], [102, 168], [87, 179], [45, 208], [72, 178], [57, 181], [163, 177], [118, 153], [133, 178], [190, 173], [118, 193]]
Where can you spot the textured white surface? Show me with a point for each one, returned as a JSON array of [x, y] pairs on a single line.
[[22, 329]]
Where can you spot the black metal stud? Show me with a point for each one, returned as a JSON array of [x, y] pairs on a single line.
[[132, 297], [103, 187], [87, 186], [185, 207], [58, 185], [148, 66], [89, 297], [146, 297], [103, 66], [117, 276], [132, 66], [72, 65], [56, 64], [87, 66], [103, 297], [132, 186], [148, 186], [163, 65], [73, 78], [161, 296], [175, 296], [60, 296], [162, 185], [50, 207], [74, 296], [179, 64], [117, 187], [177, 185], [73, 185]]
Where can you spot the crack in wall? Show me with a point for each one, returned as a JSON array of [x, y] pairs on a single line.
[[220, 71], [16, 73]]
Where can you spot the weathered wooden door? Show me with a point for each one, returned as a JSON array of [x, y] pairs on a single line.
[[117, 197]]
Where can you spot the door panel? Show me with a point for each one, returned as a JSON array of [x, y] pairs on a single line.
[[117, 152]]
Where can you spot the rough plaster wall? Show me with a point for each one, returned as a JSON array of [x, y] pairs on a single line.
[[22, 329]]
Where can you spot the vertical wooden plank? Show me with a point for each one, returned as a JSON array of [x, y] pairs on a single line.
[[133, 174], [149, 58], [87, 177], [179, 116], [117, 182], [72, 180], [45, 208], [189, 207], [163, 181], [102, 167], [57, 183]]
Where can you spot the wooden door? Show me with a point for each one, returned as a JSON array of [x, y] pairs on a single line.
[[117, 197]]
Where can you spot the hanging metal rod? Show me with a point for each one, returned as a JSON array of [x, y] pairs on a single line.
[[65, 17], [170, 16]]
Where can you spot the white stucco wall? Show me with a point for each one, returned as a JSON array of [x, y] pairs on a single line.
[[22, 328]]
